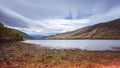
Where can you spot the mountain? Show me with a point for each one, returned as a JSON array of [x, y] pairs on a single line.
[[107, 30], [8, 34], [37, 36]]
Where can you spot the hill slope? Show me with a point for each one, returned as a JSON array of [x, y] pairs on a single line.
[[108, 30], [8, 34], [26, 36]]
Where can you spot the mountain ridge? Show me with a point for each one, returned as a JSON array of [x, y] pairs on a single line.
[[107, 30]]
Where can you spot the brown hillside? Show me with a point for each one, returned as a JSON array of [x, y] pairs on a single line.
[[108, 30]]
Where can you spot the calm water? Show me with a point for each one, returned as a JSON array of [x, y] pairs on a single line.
[[80, 44]]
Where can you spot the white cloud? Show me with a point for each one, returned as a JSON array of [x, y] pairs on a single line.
[[55, 26], [43, 27], [113, 13], [47, 17]]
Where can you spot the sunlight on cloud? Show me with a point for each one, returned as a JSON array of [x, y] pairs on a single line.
[[53, 26], [60, 25]]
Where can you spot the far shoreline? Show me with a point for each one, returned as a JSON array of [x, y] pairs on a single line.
[[73, 39]]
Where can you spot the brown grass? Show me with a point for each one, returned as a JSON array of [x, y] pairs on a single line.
[[22, 55]]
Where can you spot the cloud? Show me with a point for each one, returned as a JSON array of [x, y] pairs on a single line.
[[53, 26], [44, 27], [44, 9], [112, 14], [11, 18], [63, 24], [56, 16]]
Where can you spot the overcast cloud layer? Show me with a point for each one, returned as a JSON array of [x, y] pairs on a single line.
[[48, 17]]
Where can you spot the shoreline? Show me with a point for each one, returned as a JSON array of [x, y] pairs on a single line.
[[25, 54]]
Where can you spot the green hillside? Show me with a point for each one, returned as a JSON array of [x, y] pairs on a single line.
[[8, 34], [108, 30], [26, 36]]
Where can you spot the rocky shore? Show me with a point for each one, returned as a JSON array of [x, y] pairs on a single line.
[[23, 55]]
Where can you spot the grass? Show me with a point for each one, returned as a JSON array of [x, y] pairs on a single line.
[[24, 55]]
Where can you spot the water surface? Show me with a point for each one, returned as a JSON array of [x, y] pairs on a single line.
[[79, 44]]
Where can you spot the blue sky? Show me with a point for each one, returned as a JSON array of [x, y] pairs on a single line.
[[46, 17]]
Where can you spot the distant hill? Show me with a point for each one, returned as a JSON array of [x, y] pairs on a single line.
[[107, 30], [26, 36], [37, 36], [8, 34]]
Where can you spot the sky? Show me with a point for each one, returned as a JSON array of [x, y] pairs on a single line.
[[48, 17]]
